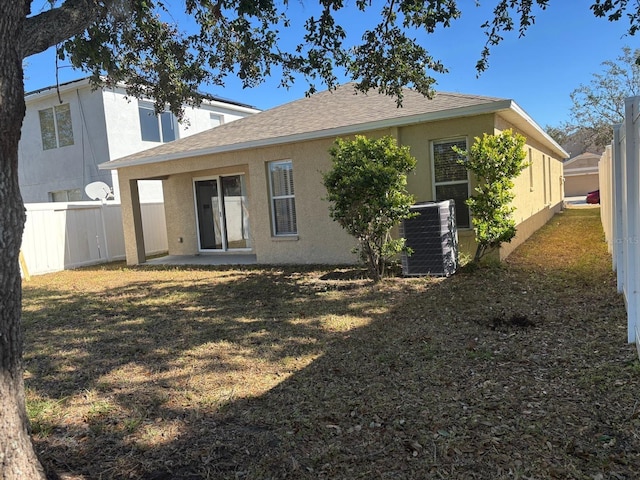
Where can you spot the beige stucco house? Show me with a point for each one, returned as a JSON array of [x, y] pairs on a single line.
[[255, 185], [581, 174]]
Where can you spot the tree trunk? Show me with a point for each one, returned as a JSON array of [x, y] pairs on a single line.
[[17, 456]]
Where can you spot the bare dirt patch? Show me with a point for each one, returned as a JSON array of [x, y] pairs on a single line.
[[514, 371]]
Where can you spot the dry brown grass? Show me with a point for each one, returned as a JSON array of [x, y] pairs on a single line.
[[514, 371]]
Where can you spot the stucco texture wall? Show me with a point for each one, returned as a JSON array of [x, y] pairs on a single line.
[[580, 185], [321, 240], [538, 190], [67, 167]]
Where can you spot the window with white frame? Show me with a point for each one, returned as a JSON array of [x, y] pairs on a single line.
[[283, 202], [55, 127], [451, 179], [216, 119], [156, 128]]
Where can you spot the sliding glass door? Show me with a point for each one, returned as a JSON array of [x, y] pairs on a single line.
[[221, 206]]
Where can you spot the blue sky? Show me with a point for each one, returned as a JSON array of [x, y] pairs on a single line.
[[562, 50]]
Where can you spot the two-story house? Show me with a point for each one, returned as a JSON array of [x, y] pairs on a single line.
[[70, 129]]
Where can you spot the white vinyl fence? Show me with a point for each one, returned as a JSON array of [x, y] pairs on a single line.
[[620, 210], [59, 236]]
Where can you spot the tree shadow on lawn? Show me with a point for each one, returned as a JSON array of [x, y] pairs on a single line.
[[74, 337], [116, 358], [423, 384]]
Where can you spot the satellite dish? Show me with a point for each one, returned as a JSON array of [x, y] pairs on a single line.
[[98, 191]]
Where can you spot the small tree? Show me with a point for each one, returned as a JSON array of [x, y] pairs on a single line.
[[367, 191], [495, 160]]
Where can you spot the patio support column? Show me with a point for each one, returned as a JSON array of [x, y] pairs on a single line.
[[132, 222]]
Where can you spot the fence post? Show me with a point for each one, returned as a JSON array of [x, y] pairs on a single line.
[[103, 204], [632, 181], [618, 230]]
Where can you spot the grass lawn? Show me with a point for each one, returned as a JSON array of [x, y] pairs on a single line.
[[514, 371]]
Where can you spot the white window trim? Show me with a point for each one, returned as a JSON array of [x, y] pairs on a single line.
[[272, 198], [435, 184], [219, 116]]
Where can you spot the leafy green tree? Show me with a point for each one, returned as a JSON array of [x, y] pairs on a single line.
[[599, 105], [367, 190], [495, 160], [140, 43]]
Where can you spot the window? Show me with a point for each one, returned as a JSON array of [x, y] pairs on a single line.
[[73, 195], [156, 128], [55, 127], [530, 170], [283, 203], [451, 178], [544, 179], [216, 119], [550, 181]]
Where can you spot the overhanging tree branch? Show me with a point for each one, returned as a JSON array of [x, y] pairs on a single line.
[[61, 23]]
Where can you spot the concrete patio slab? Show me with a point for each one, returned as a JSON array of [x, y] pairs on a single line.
[[205, 259]]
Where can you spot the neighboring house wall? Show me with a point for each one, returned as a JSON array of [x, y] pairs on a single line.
[[106, 125], [580, 185], [68, 167], [124, 130], [320, 239], [581, 174]]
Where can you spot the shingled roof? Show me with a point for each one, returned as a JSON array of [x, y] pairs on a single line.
[[326, 114]]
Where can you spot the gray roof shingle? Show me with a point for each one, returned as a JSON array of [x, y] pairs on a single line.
[[326, 111]]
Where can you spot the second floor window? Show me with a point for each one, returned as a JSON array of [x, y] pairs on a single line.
[[216, 119], [55, 127], [73, 195], [156, 128]]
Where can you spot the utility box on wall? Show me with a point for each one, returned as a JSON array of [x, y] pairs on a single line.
[[433, 237]]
